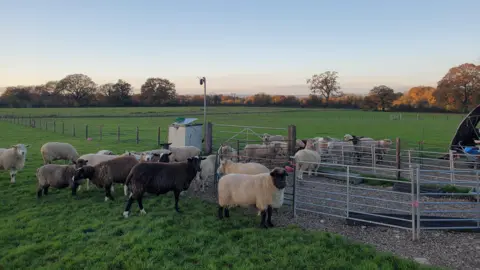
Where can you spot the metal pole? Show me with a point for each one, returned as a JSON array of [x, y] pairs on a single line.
[[204, 106]]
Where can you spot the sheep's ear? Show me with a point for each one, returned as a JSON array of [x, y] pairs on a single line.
[[86, 160], [169, 154], [74, 162], [202, 158], [272, 173], [156, 154], [27, 145], [189, 159], [14, 146]]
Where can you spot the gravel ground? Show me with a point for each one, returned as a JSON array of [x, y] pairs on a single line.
[[453, 250]]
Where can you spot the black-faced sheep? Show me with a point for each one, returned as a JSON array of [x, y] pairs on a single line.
[[56, 176], [245, 190], [13, 159], [160, 178], [52, 151], [106, 173]]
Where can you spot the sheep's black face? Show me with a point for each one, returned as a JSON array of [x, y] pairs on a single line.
[[80, 173], [165, 157], [279, 177], [80, 163], [195, 162]]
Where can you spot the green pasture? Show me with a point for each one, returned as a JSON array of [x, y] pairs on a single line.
[[84, 232], [435, 130]]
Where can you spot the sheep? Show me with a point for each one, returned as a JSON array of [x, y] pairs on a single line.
[[229, 167], [267, 138], [307, 160], [228, 152], [13, 159], [268, 151], [299, 144], [105, 152], [106, 173], [361, 144], [339, 148], [207, 167], [56, 175], [160, 178], [180, 154], [155, 157], [382, 148], [52, 151], [245, 190]]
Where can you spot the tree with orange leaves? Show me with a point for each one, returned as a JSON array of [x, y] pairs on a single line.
[[418, 96], [459, 88]]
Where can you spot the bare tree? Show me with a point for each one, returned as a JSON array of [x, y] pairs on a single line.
[[325, 84], [78, 87]]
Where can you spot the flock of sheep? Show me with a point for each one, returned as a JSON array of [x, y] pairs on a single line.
[[311, 152], [175, 168], [156, 172]]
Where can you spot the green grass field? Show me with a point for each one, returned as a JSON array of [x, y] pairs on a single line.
[[436, 130], [62, 232]]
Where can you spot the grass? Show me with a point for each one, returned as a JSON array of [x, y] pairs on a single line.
[[63, 232], [435, 130]]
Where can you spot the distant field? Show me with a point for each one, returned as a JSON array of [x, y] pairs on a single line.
[[436, 130]]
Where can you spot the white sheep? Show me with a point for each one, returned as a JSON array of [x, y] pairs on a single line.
[[267, 138], [306, 159], [261, 151], [105, 152], [52, 151], [207, 167], [228, 167], [183, 153], [228, 152], [382, 148], [13, 159], [245, 190]]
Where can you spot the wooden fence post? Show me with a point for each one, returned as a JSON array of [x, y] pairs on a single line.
[[208, 138], [292, 140], [158, 136], [54, 126], [398, 157], [101, 132], [118, 134], [73, 128], [138, 135], [86, 131], [63, 128]]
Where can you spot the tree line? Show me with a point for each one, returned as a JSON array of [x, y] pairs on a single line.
[[457, 91]]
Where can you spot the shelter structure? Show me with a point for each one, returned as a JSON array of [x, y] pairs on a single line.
[[467, 132]]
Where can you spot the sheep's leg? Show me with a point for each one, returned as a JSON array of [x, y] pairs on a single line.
[[45, 190], [128, 206], [264, 216], [269, 216], [220, 212], [13, 173], [108, 194], [140, 205], [88, 184], [125, 190], [177, 197], [226, 212], [39, 192]]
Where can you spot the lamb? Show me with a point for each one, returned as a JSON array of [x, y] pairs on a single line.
[[106, 173], [56, 175], [267, 151], [245, 190], [160, 178], [105, 152], [267, 138], [52, 151], [307, 160], [13, 159], [229, 167], [207, 167]]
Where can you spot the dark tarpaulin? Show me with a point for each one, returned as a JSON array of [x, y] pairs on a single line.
[[467, 130]]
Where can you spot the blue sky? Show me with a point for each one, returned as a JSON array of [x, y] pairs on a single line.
[[240, 46]]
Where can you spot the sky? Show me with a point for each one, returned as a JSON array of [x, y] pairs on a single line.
[[242, 47]]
